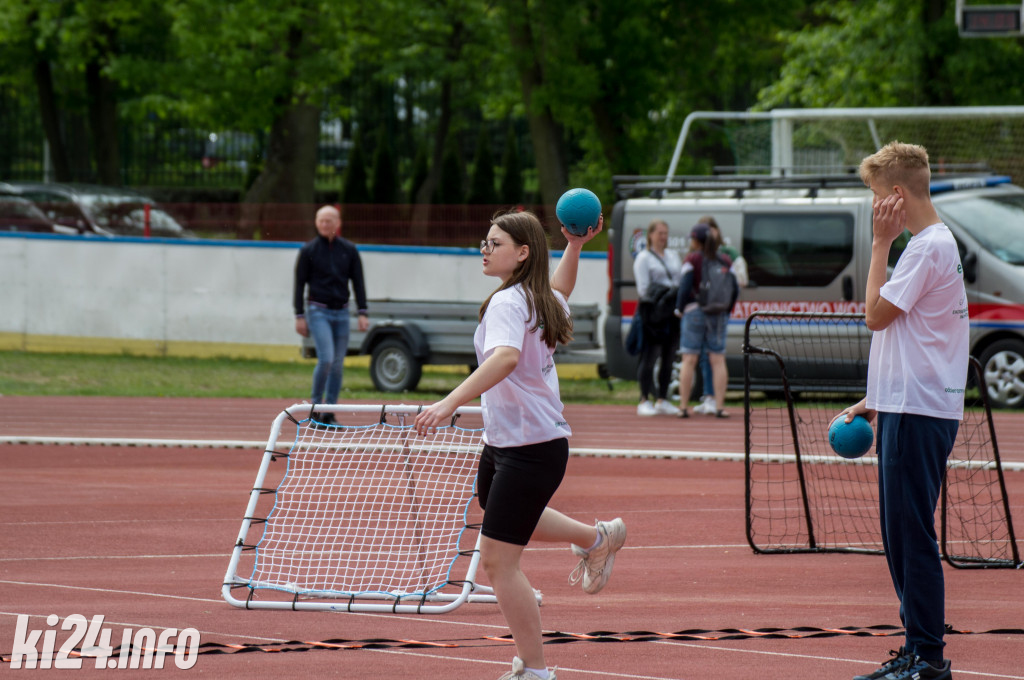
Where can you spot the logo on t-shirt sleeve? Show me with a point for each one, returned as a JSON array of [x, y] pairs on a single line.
[[961, 309]]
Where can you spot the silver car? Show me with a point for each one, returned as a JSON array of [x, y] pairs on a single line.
[[100, 210]]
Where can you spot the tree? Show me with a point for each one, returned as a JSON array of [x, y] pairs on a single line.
[[606, 84], [891, 53], [256, 65], [353, 188], [451, 185], [385, 179], [512, 174], [481, 188], [419, 173], [85, 57], [545, 130]]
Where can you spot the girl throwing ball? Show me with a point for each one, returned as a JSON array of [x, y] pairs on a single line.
[[526, 444]]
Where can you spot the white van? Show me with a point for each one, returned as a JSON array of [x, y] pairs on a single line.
[[807, 241]]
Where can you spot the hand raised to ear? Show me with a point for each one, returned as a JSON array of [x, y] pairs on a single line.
[[889, 218]]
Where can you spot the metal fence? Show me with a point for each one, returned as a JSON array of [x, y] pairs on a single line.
[[166, 151], [171, 154], [461, 226]]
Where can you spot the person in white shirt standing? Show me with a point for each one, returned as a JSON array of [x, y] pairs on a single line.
[[917, 372], [525, 434], [657, 267]]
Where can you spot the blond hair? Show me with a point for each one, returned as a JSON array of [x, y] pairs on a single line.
[[545, 311], [650, 230], [898, 163]]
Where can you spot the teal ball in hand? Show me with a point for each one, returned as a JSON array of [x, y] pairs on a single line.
[[578, 210], [851, 439]]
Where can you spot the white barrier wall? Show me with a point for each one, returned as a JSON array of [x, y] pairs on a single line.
[[70, 292]]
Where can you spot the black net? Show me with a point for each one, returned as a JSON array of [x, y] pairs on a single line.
[[802, 497]]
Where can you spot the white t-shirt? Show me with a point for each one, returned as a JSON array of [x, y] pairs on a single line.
[[525, 407], [919, 363], [648, 268]]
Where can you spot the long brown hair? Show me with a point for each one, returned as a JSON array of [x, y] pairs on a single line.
[[547, 314]]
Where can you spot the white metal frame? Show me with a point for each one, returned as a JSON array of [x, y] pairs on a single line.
[[435, 603], [782, 124]]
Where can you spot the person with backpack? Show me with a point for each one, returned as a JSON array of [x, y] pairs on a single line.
[[707, 405], [707, 294]]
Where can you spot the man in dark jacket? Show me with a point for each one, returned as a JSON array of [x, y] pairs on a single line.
[[327, 265]]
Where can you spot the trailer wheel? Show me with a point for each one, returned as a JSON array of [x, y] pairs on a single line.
[[393, 368]]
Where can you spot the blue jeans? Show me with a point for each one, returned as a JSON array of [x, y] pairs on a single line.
[[705, 373], [700, 331], [329, 330]]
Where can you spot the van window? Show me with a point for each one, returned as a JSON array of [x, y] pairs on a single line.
[[797, 249], [993, 221]]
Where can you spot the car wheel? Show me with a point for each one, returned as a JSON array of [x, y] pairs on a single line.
[[393, 368], [1002, 364]]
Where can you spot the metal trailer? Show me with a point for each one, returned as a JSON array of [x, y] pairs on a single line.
[[405, 335]]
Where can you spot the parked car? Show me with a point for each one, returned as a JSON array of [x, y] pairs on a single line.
[[20, 214], [100, 210]]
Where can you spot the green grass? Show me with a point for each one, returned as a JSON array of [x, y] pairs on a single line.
[[44, 374]]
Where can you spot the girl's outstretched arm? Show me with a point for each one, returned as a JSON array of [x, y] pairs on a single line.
[[564, 278], [493, 370]]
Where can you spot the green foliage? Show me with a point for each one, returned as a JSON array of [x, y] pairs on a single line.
[[892, 53], [617, 78], [857, 54], [242, 62]]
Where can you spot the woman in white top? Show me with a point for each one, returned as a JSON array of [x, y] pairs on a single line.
[[656, 268], [525, 435]]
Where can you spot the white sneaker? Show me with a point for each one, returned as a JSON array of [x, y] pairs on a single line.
[[595, 567], [707, 406], [664, 408], [519, 672], [646, 408]]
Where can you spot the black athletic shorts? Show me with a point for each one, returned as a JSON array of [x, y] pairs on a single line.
[[515, 485]]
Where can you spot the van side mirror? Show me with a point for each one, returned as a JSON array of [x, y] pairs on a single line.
[[970, 263]]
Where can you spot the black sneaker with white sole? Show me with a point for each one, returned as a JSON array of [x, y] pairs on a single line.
[[898, 657], [916, 668], [321, 419]]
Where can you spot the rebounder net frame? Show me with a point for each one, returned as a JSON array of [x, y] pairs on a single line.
[[802, 497], [364, 515]]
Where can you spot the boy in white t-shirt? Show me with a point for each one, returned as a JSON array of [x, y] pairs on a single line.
[[526, 444], [917, 370]]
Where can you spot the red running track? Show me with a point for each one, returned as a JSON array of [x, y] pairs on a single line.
[[142, 535]]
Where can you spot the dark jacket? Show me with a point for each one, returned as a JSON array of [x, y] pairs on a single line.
[[327, 266]]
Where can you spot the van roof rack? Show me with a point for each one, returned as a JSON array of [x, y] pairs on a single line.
[[947, 176], [656, 186]]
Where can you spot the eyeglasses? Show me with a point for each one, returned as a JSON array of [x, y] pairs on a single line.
[[488, 246]]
